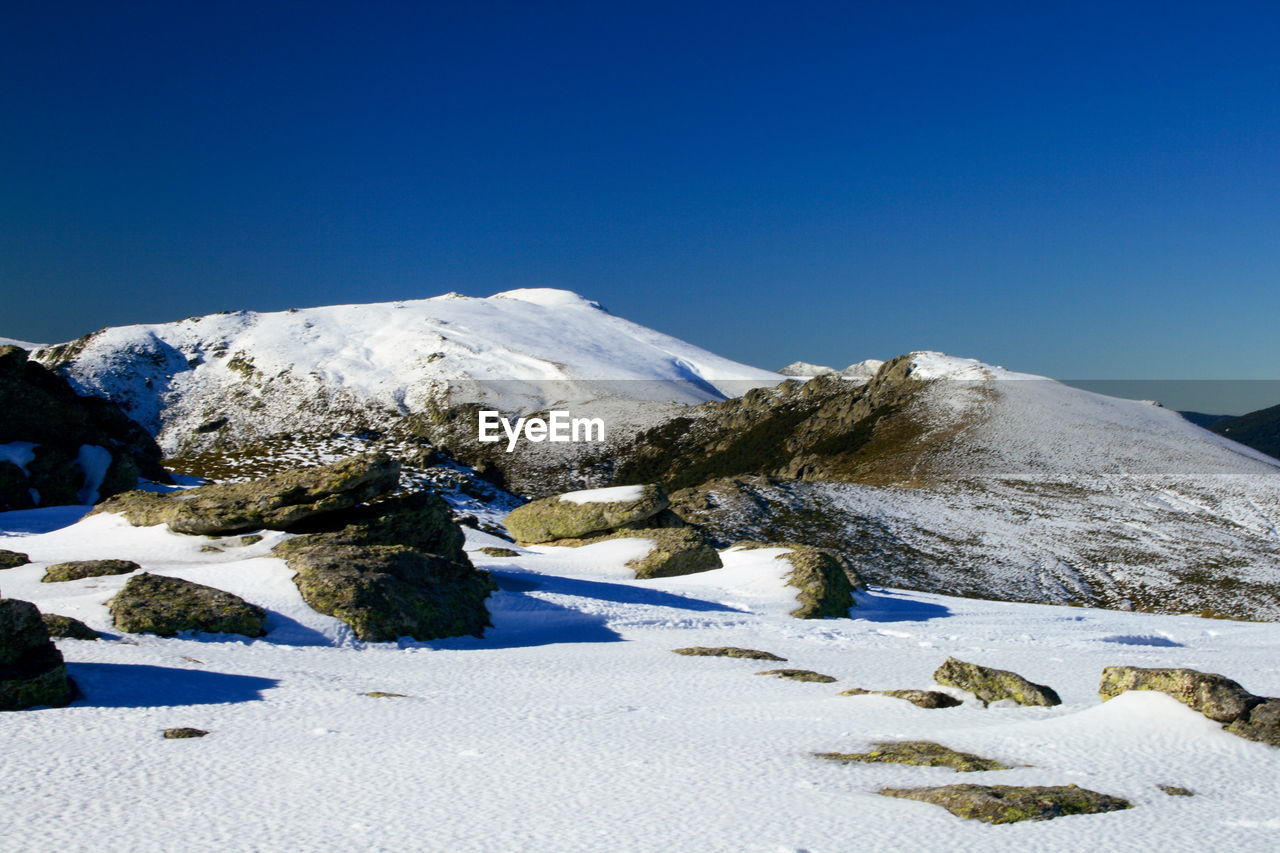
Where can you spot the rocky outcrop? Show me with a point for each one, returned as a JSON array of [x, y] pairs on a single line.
[[77, 569], [12, 559], [993, 685], [928, 699], [75, 449], [392, 569], [280, 501], [799, 675], [921, 753], [64, 627], [154, 604], [552, 518], [1216, 696], [31, 669], [1012, 803], [728, 652]]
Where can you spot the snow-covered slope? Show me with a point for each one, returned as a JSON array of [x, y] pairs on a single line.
[[572, 728], [13, 342], [247, 375]]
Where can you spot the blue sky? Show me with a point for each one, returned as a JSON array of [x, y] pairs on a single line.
[[1080, 190]]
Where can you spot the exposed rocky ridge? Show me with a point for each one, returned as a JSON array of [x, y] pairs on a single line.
[[84, 448], [31, 669]]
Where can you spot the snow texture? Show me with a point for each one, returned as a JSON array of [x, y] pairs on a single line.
[[613, 494]]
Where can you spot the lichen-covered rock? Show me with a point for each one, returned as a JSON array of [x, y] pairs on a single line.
[[1216, 696], [1176, 791], [491, 551], [993, 685], [64, 627], [12, 559], [31, 668], [154, 604], [280, 501], [676, 551], [392, 569], [728, 652], [77, 569], [183, 733], [799, 675], [1260, 723], [922, 753], [1012, 803], [825, 579], [929, 699], [552, 518]]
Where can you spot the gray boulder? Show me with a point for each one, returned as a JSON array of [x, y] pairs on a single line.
[[993, 685], [12, 559], [280, 501], [824, 579], [31, 668], [552, 518], [77, 569], [154, 604]]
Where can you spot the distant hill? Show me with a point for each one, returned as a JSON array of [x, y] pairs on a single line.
[[1201, 419], [1259, 430]]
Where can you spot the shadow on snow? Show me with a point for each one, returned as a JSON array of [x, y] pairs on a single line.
[[886, 606], [120, 685]]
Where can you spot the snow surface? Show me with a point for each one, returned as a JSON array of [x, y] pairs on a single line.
[[572, 727], [612, 494], [14, 342]]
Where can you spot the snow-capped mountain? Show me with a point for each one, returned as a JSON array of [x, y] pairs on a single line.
[[858, 370], [234, 378]]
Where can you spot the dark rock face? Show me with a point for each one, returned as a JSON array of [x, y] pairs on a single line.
[[77, 569], [993, 685], [728, 652], [278, 502], [12, 559], [64, 627], [1012, 803], [41, 408], [928, 699], [31, 669], [392, 569], [1216, 696], [153, 604], [921, 753], [549, 519]]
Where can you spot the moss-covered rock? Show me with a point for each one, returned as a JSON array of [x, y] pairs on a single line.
[[552, 518], [929, 699], [994, 685], [382, 694], [1175, 791], [77, 569], [32, 672], [728, 652], [280, 501], [64, 627], [154, 604], [392, 569], [824, 579], [182, 733], [12, 559], [1012, 803], [1216, 696], [676, 551], [799, 675], [491, 551], [922, 753]]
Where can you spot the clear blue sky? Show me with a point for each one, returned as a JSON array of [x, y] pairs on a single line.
[[1074, 189]]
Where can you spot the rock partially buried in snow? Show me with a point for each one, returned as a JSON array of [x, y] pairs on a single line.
[[728, 652], [77, 569], [577, 515], [676, 551], [64, 627], [277, 502], [12, 559], [1217, 697], [799, 675], [1012, 803], [392, 569], [491, 551], [921, 753], [929, 699], [994, 685], [153, 604], [825, 580], [31, 669], [182, 733]]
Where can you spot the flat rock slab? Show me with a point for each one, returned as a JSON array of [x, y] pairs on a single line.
[[154, 604], [77, 569], [922, 753], [1012, 803], [799, 675], [728, 652], [994, 685], [929, 699]]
